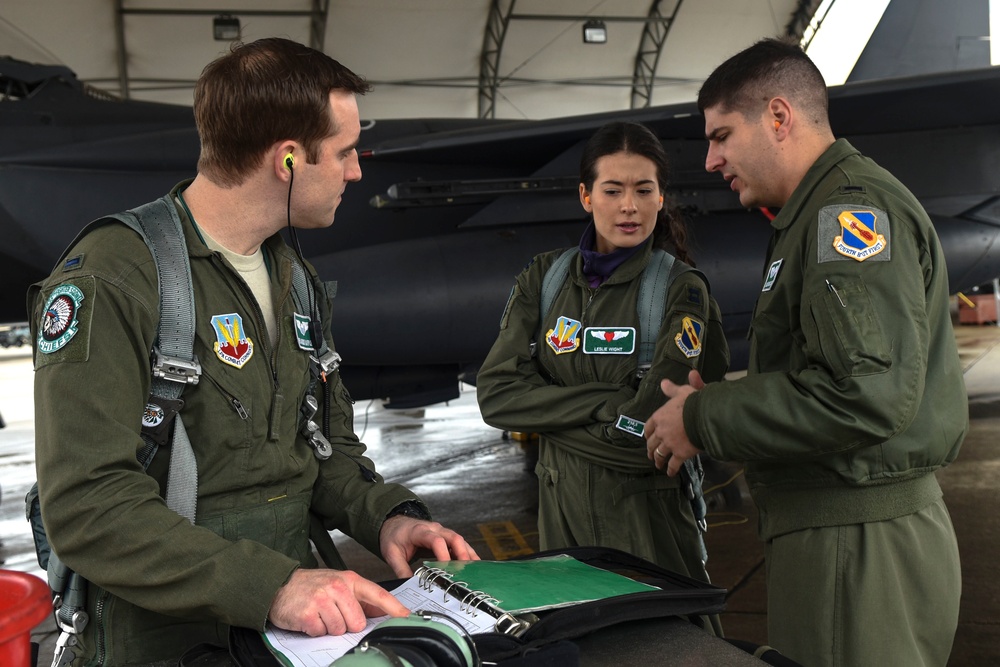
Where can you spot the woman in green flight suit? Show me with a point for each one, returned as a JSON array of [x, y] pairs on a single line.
[[579, 386]]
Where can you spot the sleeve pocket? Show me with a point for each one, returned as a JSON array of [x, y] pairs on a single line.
[[849, 331]]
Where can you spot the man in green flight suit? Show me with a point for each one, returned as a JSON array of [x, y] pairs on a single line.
[[854, 395], [279, 125]]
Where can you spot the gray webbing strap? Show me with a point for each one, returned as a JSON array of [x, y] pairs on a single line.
[[303, 293], [553, 281], [175, 365], [652, 303]]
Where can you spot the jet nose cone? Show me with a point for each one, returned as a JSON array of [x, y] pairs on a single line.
[[971, 249]]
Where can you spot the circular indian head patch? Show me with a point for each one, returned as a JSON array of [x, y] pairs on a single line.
[[152, 415], [59, 320]]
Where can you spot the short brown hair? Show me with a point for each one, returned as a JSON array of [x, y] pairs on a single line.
[[768, 69], [262, 93]]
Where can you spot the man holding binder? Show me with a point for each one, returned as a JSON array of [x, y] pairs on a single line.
[[854, 395], [270, 422]]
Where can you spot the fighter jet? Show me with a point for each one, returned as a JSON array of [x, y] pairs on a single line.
[[426, 246]]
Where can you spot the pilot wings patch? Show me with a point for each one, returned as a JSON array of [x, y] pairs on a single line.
[[609, 340]]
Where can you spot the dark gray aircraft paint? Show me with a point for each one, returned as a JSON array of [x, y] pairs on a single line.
[[425, 248]]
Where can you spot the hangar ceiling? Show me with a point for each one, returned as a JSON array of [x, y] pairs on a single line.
[[426, 58]]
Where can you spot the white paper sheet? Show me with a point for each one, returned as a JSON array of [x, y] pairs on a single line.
[[300, 650]]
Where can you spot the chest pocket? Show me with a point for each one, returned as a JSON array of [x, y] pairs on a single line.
[[848, 330], [774, 347], [281, 524]]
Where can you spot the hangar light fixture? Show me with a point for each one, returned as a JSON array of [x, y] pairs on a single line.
[[226, 28], [595, 32]]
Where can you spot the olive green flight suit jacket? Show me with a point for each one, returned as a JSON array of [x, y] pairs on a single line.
[[575, 398], [854, 393], [160, 584]]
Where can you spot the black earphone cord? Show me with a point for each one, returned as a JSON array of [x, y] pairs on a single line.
[[315, 328]]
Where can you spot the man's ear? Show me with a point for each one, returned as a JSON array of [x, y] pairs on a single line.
[[286, 156], [779, 116]]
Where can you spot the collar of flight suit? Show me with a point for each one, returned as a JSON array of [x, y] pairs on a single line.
[[838, 150]]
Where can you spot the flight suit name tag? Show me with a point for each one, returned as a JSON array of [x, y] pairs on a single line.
[[629, 425], [609, 340], [302, 335]]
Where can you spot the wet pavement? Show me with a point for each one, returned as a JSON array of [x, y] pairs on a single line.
[[477, 480]]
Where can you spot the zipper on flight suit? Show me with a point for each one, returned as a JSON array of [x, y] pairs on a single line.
[[272, 357], [232, 400], [101, 633], [581, 366]]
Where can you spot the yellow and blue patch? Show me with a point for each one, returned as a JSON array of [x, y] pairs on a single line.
[[853, 232], [689, 339]]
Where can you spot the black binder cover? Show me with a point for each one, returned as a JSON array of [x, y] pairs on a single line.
[[678, 596]]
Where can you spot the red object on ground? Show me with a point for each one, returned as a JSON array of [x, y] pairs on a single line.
[[25, 601]]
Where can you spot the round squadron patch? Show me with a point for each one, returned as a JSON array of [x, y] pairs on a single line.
[[60, 320], [152, 415]]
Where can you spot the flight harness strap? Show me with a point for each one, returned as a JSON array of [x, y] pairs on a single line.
[[174, 363], [174, 366], [651, 305]]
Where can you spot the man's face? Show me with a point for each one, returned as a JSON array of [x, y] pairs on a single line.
[[744, 151], [323, 183]]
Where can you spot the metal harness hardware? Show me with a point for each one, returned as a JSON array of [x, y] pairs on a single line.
[[174, 366], [175, 369]]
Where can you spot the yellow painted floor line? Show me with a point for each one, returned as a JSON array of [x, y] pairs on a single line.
[[504, 539]]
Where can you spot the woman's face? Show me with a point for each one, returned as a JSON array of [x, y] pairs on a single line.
[[625, 200]]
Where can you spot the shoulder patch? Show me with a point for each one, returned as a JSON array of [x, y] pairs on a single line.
[[60, 318], [688, 340], [848, 231], [506, 309]]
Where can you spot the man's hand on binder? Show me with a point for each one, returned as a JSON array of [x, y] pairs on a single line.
[[402, 536], [667, 444], [330, 602]]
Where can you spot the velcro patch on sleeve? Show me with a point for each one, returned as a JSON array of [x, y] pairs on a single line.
[[65, 322], [853, 232], [688, 339]]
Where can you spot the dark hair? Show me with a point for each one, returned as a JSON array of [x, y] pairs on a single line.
[[262, 93], [768, 69], [670, 232]]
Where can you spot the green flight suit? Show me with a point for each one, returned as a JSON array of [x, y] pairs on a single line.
[[159, 584], [854, 397], [596, 484]]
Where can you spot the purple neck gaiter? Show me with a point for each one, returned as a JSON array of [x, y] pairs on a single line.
[[598, 266]]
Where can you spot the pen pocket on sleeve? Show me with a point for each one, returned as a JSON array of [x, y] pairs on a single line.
[[849, 330]]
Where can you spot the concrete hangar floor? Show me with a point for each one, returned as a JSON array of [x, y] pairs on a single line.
[[478, 481]]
